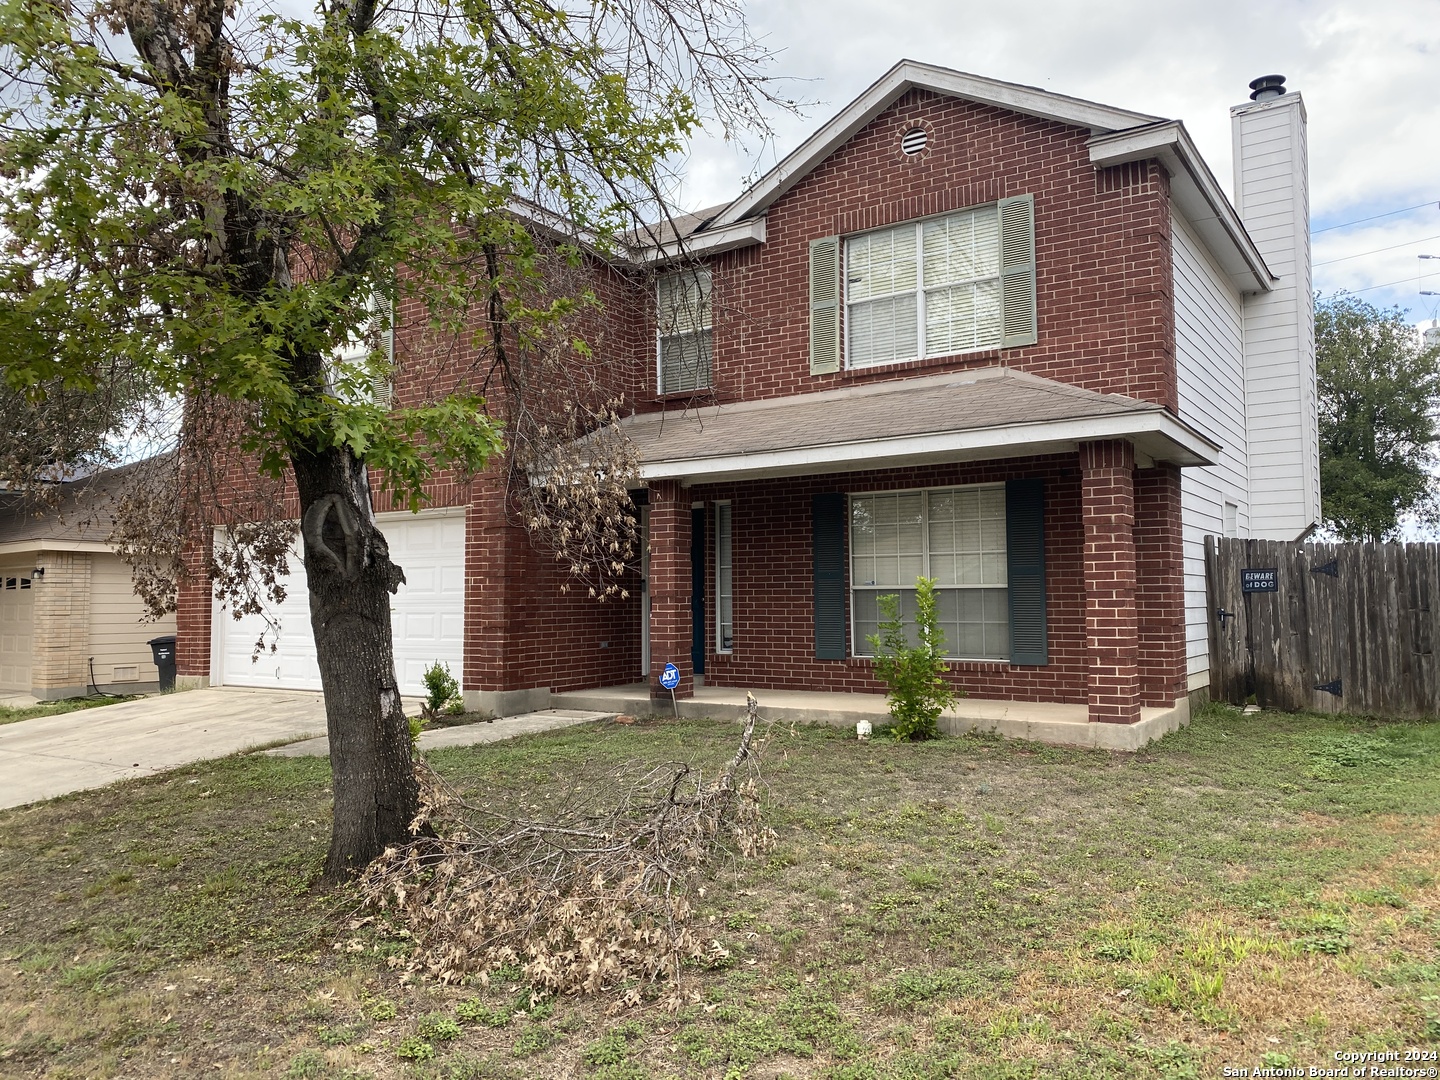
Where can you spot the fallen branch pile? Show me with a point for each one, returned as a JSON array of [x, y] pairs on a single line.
[[595, 899]]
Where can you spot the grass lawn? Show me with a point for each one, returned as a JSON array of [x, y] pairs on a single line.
[[1254, 890], [9, 715]]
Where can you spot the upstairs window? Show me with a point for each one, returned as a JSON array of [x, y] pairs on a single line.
[[683, 333], [352, 357], [935, 287]]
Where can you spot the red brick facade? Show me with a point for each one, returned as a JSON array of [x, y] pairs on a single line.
[[1102, 250], [1114, 588]]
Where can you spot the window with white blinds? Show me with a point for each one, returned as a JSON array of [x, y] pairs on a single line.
[[353, 375], [683, 331], [956, 536], [926, 288]]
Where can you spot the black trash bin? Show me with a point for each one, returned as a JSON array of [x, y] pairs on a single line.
[[163, 650]]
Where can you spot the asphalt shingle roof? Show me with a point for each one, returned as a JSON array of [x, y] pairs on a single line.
[[969, 401]]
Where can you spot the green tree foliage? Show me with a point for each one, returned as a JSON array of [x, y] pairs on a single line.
[[913, 672], [1378, 393], [210, 197]]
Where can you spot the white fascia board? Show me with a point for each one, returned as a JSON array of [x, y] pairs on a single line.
[[909, 75], [1156, 435], [25, 547], [1196, 195], [709, 242]]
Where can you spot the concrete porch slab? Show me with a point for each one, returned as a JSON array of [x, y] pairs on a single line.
[[1047, 722]]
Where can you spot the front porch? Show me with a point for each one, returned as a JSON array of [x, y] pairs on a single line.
[[1046, 722]]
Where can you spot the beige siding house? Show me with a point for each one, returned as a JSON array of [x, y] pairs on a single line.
[[70, 623]]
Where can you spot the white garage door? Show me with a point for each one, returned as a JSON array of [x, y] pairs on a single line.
[[427, 615], [17, 626]]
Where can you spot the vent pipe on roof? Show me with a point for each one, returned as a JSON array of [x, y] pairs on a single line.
[[1267, 87]]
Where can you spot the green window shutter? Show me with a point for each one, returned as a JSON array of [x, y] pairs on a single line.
[[1017, 270], [828, 552], [383, 388], [825, 306], [1025, 558]]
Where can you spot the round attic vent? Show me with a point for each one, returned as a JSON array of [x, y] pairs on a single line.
[[914, 141]]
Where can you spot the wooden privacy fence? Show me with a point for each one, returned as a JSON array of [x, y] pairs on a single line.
[[1347, 627]]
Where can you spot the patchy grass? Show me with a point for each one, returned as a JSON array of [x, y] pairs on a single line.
[[1254, 890], [10, 715]]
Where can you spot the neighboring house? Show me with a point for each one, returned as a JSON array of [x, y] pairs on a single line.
[[1015, 341], [70, 623]]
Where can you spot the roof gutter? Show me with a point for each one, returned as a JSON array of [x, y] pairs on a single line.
[[1195, 192]]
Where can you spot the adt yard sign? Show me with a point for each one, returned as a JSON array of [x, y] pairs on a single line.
[[1264, 580], [670, 677]]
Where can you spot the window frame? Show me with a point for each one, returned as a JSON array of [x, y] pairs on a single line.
[[921, 344], [356, 351], [852, 587], [707, 327], [724, 598]]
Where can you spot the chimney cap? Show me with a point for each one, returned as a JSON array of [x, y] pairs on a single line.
[[1267, 87]]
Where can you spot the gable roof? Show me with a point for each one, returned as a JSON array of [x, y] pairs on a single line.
[[1117, 136], [910, 75]]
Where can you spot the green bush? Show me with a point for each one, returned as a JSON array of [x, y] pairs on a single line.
[[918, 692], [440, 687]]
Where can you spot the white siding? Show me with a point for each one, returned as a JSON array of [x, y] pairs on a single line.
[[1210, 369], [118, 635], [1272, 196]]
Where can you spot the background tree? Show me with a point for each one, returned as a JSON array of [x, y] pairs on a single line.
[[213, 198], [1378, 393]]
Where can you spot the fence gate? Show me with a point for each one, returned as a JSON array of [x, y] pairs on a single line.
[[1326, 627]]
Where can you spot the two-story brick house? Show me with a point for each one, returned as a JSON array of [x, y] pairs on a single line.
[[1014, 341]]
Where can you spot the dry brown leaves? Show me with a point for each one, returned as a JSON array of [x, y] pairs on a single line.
[[596, 899]]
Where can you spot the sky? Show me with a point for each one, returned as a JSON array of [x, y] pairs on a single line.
[[1369, 74]]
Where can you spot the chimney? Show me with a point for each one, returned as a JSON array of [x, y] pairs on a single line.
[[1272, 195]]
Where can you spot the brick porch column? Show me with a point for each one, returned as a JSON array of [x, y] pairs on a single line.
[[1111, 622], [669, 587], [194, 606]]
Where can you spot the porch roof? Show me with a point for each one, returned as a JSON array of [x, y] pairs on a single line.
[[957, 416]]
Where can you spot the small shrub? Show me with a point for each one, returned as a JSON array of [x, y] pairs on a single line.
[[914, 673], [440, 687]]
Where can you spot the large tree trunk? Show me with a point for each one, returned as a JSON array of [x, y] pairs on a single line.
[[351, 580]]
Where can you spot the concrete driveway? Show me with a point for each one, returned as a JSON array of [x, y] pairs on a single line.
[[53, 755]]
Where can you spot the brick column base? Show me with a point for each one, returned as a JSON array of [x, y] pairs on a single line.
[[1111, 622], [669, 586]]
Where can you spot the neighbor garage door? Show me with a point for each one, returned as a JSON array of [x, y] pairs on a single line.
[[427, 615], [17, 626]]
